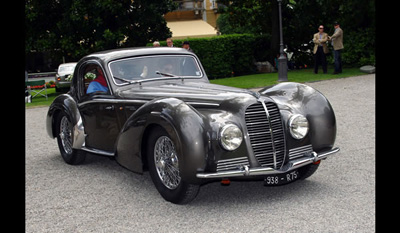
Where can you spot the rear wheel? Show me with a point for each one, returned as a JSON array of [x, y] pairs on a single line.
[[65, 141], [163, 162]]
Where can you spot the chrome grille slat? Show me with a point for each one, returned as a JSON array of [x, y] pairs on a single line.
[[266, 134], [300, 151], [229, 164]]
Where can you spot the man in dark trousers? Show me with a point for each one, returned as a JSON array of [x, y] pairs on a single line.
[[320, 49], [337, 43]]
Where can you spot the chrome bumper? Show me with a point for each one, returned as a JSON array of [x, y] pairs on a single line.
[[258, 171]]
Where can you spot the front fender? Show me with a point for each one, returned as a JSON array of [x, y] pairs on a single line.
[[185, 125], [65, 103], [299, 98]]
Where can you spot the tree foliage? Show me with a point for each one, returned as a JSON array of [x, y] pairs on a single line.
[[301, 19], [79, 27]]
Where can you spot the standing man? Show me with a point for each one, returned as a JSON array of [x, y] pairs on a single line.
[[170, 43], [337, 43], [186, 46], [320, 49]]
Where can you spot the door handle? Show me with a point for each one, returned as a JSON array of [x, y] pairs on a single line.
[[110, 107]]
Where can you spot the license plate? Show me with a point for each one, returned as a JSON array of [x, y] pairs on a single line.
[[280, 179]]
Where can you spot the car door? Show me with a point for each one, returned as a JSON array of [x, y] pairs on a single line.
[[101, 121], [99, 112]]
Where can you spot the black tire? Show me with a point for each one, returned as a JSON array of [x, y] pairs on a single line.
[[64, 130], [308, 170], [172, 188]]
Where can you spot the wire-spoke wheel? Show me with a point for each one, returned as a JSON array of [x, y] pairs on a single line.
[[166, 162], [164, 166], [66, 135], [65, 141]]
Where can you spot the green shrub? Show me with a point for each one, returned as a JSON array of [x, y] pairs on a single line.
[[228, 55]]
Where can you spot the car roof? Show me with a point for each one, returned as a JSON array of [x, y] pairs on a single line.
[[68, 64], [109, 55]]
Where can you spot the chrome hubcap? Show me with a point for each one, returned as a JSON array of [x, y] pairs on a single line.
[[166, 162], [66, 135]]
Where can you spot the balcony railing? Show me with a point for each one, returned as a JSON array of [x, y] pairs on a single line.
[[188, 5]]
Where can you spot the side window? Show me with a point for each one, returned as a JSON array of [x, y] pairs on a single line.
[[93, 80]]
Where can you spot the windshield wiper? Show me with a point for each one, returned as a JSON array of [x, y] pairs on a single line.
[[166, 74], [170, 75], [127, 80]]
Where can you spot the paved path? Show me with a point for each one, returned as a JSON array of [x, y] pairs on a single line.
[[101, 196]]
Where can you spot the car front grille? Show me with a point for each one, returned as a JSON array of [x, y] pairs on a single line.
[[264, 125]]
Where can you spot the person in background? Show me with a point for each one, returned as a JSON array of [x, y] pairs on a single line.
[[186, 46], [156, 44], [170, 43], [337, 43], [99, 83], [276, 61], [320, 49]]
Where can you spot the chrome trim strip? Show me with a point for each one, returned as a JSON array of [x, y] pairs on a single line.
[[204, 104], [258, 171], [270, 131], [113, 101], [99, 152], [127, 101]]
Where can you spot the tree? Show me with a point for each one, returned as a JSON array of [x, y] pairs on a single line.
[[78, 27]]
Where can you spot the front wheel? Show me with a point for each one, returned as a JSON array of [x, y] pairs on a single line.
[[163, 161], [65, 141], [308, 170]]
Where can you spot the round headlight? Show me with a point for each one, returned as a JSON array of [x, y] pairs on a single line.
[[230, 137], [298, 126]]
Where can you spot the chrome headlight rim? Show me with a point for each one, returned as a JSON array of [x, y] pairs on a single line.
[[298, 126], [227, 141]]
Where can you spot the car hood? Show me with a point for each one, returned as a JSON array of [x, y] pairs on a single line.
[[196, 92]]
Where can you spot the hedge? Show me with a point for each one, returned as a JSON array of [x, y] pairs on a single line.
[[235, 54], [228, 55]]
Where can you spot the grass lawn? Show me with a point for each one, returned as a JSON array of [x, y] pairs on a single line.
[[301, 76], [246, 81], [41, 101]]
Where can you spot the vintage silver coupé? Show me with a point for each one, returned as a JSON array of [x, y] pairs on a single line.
[[161, 114]]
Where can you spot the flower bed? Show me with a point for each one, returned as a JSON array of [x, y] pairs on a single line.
[[42, 86], [50, 84]]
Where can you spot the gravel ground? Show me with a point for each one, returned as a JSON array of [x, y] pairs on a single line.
[[101, 196]]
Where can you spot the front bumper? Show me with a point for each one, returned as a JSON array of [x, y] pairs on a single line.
[[259, 171]]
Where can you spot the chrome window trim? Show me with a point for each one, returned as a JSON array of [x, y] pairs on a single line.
[[81, 76]]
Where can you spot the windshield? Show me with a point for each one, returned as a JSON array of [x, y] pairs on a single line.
[[66, 68], [154, 67]]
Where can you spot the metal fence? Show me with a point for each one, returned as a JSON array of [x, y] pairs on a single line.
[[47, 76]]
